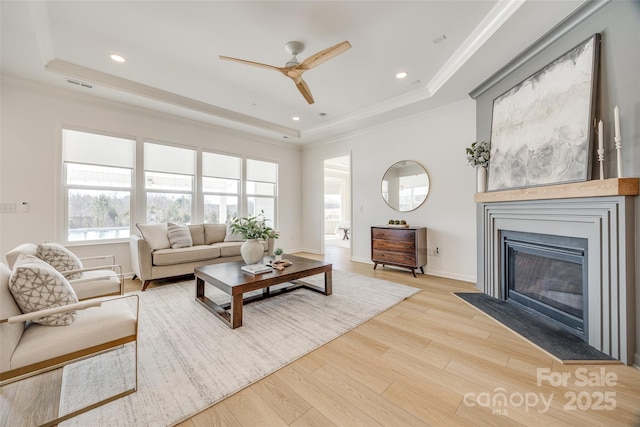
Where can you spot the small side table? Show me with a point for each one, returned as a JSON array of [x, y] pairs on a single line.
[[345, 230]]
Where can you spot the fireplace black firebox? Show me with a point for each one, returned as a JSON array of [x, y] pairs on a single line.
[[547, 274]]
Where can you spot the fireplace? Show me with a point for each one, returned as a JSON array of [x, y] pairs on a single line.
[[600, 215], [547, 274]]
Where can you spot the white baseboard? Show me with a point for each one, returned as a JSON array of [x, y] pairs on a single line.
[[447, 275]]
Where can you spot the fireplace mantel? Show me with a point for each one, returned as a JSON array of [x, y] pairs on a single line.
[[593, 188]]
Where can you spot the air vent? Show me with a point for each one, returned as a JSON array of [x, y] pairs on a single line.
[[439, 39], [77, 83]]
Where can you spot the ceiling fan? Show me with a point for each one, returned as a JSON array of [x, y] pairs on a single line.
[[294, 68]]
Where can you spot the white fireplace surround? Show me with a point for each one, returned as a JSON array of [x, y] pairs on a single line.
[[608, 225]]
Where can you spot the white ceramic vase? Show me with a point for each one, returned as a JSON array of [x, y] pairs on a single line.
[[481, 179], [252, 251]]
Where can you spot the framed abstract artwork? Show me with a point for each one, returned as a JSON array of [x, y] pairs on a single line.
[[541, 129]]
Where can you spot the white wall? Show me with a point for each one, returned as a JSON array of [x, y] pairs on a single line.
[[436, 139], [30, 167]]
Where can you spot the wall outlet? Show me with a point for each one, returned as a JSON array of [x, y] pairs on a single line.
[[433, 251]]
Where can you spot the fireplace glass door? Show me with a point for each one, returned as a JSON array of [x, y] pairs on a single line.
[[547, 274]]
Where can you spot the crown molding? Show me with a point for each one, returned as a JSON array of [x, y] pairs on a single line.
[[580, 15]]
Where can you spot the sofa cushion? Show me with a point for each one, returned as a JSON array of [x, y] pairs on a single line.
[[24, 248], [155, 235], [228, 249], [10, 333], [179, 236], [214, 233], [36, 285], [197, 234], [105, 282], [93, 326], [183, 255], [60, 258]]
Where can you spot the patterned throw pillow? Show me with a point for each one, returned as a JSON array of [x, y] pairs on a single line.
[[36, 285], [61, 258], [179, 236]]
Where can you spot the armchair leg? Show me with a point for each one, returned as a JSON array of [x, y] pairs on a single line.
[[145, 285], [134, 277]]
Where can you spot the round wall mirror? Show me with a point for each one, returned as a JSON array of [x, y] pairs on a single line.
[[405, 186]]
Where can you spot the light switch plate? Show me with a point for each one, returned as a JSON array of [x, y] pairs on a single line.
[[9, 207]]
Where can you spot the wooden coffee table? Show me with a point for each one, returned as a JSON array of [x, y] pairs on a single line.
[[234, 282]]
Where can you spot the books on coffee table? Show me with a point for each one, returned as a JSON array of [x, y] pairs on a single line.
[[256, 268]]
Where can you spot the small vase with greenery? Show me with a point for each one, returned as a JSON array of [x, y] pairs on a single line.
[[278, 254], [252, 228], [478, 156]]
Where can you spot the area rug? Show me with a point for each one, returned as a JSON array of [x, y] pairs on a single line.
[[545, 334], [188, 360]]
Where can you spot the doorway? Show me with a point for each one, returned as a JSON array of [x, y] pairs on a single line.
[[337, 202]]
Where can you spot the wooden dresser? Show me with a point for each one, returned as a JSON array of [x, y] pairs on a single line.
[[401, 247]]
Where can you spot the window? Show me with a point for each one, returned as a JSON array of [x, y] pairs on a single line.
[[98, 181], [169, 174], [261, 188], [333, 207], [221, 177], [100, 174]]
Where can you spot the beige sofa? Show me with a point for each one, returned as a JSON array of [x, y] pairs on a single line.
[[152, 257]]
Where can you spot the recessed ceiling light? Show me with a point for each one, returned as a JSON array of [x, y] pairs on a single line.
[[117, 58], [402, 75], [295, 118]]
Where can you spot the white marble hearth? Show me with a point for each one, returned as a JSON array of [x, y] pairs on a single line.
[[607, 222]]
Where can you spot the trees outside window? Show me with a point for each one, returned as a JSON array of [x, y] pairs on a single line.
[[97, 186]]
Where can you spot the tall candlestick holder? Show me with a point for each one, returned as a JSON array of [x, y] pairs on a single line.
[[618, 141], [601, 160]]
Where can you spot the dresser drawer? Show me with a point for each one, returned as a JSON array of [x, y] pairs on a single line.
[[394, 257], [393, 234], [394, 245]]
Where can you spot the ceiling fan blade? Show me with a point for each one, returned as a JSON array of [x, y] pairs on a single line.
[[304, 90], [255, 64], [322, 56]]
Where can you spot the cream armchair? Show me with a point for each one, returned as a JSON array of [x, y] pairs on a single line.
[[28, 348], [103, 279]]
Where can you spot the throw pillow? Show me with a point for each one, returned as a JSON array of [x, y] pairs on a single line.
[[179, 236], [60, 258], [230, 237], [155, 235], [36, 285]]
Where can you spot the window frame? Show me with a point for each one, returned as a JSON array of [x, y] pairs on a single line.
[[66, 188], [240, 191], [194, 180], [247, 195]]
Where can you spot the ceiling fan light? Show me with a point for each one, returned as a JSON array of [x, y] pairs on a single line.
[[402, 75]]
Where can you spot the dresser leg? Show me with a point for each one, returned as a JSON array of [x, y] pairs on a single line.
[[413, 270], [375, 264], [421, 270]]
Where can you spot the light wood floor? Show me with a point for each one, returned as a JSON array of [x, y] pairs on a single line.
[[430, 360]]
